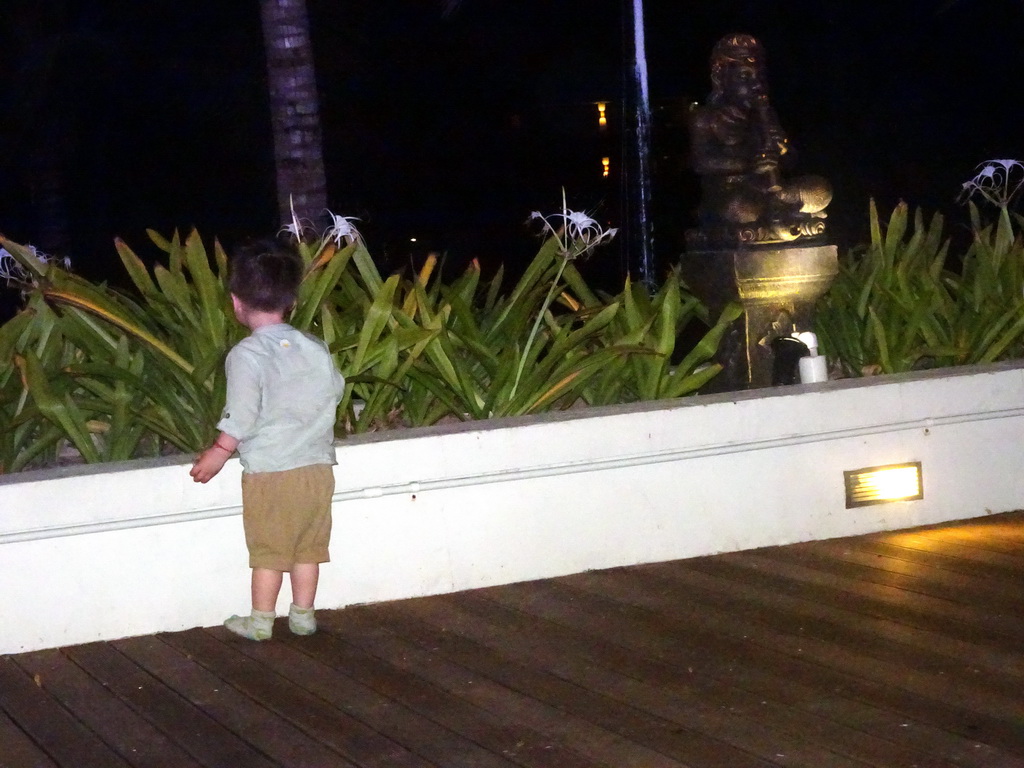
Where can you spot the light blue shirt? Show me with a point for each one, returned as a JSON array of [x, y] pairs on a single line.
[[283, 391]]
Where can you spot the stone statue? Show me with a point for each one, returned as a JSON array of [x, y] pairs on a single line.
[[737, 146]]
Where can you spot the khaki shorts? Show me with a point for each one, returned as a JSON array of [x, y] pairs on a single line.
[[287, 516]]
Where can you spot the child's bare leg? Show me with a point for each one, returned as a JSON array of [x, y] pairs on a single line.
[[266, 584], [304, 578]]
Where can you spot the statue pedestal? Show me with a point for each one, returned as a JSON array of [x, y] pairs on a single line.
[[777, 287]]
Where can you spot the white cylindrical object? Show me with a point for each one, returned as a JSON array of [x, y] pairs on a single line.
[[809, 340], [813, 369]]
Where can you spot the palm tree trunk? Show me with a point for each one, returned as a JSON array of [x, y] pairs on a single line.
[[294, 109]]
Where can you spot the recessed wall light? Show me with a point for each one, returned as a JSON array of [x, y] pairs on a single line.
[[879, 485]]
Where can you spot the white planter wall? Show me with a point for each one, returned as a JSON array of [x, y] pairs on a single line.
[[119, 550]]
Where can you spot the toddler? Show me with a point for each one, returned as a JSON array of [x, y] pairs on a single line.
[[283, 391]]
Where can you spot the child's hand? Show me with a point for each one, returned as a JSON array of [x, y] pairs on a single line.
[[212, 460], [208, 464]]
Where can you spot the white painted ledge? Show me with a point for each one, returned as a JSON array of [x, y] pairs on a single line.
[[119, 550]]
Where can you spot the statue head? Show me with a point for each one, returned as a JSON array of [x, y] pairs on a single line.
[[738, 71]]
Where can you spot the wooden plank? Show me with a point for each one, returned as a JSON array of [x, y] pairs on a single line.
[[938, 616], [953, 565], [40, 716], [1004, 569], [709, 684], [861, 654], [748, 722], [919, 576], [130, 735], [652, 731], [724, 667], [17, 750], [758, 595], [736, 665], [366, 628], [1001, 535], [844, 562], [460, 734], [1005, 562], [254, 669], [828, 641], [187, 725], [1012, 521], [914, 594], [272, 735], [655, 614]]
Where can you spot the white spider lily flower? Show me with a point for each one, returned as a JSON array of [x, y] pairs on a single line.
[[341, 228], [12, 272], [997, 181], [298, 227], [577, 234]]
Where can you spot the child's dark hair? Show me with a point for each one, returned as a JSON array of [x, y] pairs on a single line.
[[265, 275]]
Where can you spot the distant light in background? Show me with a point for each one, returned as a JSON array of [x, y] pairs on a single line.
[[606, 163], [602, 119], [412, 239], [878, 485]]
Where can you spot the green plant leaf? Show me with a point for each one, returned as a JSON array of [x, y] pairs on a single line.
[[61, 411]]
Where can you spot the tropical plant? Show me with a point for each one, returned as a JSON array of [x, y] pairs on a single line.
[[870, 321], [35, 351], [990, 293], [115, 374], [651, 327], [151, 365], [505, 355], [69, 380], [552, 341], [903, 303], [153, 368], [361, 316]]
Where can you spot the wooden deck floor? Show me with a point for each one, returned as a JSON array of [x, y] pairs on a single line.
[[901, 650]]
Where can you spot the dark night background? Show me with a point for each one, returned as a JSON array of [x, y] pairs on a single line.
[[453, 128]]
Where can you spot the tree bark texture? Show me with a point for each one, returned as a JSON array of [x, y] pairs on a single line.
[[294, 109]]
